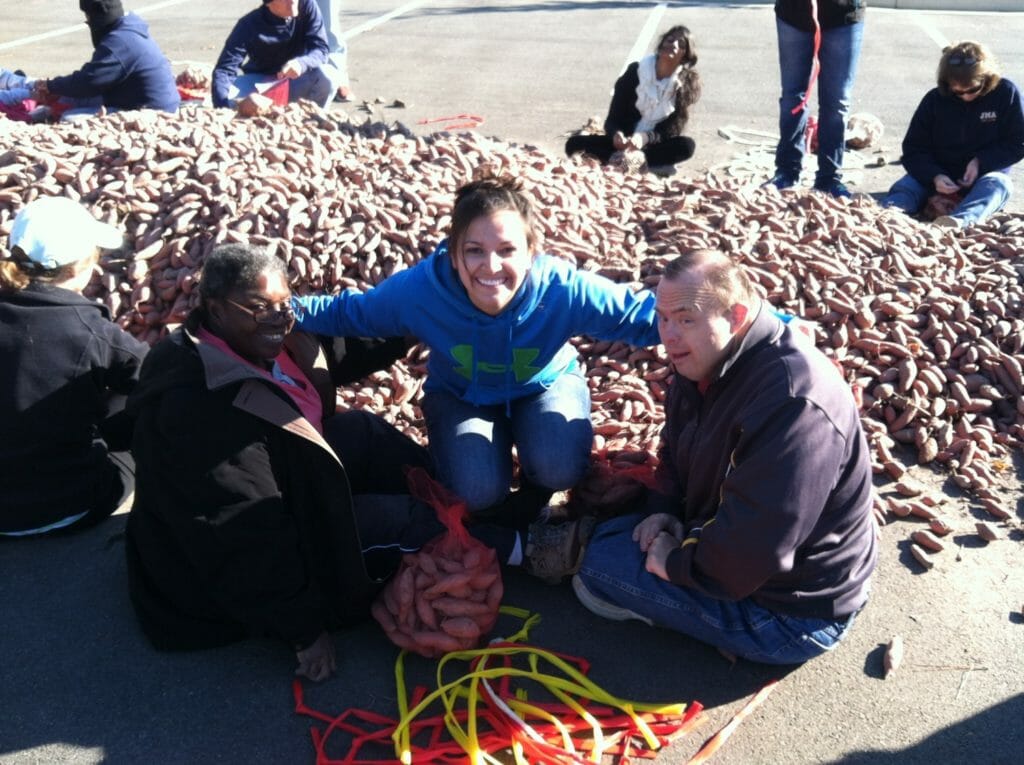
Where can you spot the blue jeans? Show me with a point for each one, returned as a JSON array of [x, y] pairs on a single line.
[[336, 47], [613, 570], [472, 445], [317, 85], [839, 55], [988, 195]]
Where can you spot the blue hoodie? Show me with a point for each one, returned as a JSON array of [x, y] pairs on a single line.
[[262, 43], [487, 360], [127, 69]]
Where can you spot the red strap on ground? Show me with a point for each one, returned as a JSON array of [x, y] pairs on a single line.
[[472, 121]]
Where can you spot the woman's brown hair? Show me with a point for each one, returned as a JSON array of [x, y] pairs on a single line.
[[967, 64], [486, 196], [18, 272]]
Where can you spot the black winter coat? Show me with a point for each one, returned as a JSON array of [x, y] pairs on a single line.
[[831, 13], [769, 472], [243, 521], [64, 369], [623, 115]]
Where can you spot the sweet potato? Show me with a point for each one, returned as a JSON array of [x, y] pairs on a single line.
[[461, 627]]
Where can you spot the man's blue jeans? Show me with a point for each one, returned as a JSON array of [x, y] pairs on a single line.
[[987, 196], [472, 445], [613, 570], [839, 55]]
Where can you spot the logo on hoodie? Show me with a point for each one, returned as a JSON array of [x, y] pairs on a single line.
[[522, 363], [990, 116]]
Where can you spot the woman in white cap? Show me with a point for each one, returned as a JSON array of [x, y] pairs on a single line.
[[64, 370]]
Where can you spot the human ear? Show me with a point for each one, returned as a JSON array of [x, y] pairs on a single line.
[[737, 316]]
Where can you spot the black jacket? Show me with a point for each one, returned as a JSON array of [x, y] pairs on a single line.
[[242, 523], [623, 115], [946, 133], [831, 13], [62, 365], [770, 472]]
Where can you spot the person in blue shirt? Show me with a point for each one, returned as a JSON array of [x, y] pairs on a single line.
[[965, 135], [127, 69], [282, 40], [497, 317]]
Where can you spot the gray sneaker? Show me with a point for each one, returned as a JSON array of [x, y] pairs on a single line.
[[554, 551], [603, 608]]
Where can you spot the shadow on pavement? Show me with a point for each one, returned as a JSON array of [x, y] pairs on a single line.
[[82, 684], [967, 741]]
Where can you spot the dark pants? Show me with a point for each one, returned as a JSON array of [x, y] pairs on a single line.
[[666, 152], [376, 456]]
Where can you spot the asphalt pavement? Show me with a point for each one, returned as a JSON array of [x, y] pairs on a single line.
[[80, 684]]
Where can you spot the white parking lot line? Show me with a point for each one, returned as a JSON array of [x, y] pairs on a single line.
[[643, 40], [373, 23], [78, 27]]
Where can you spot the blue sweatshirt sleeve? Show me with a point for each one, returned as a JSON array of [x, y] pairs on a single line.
[[230, 61], [1009, 148], [103, 71], [918, 157], [378, 312], [606, 310]]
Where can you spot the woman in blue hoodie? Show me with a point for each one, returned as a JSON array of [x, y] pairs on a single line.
[[497, 317], [963, 139]]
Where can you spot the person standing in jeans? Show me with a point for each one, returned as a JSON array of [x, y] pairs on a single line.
[[759, 536], [840, 24]]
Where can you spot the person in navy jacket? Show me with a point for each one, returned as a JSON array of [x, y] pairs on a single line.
[[964, 137], [127, 69], [282, 40]]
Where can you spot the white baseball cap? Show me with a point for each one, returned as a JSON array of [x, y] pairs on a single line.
[[56, 231]]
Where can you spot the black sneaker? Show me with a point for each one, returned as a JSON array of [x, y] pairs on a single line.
[[781, 181], [835, 188]]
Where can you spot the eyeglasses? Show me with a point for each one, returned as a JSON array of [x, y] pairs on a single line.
[[962, 59], [268, 315], [969, 92]]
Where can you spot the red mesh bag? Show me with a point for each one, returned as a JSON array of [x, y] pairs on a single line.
[[446, 596]]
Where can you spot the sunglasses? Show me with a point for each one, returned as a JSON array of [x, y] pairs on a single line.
[[268, 315], [968, 92], [962, 59]]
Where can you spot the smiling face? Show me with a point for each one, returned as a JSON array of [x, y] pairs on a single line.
[[493, 259], [695, 331], [671, 51], [259, 338]]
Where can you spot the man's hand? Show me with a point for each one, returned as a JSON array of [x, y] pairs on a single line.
[[650, 527], [970, 173], [945, 185], [657, 554], [619, 140], [317, 662], [254, 105], [290, 70]]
